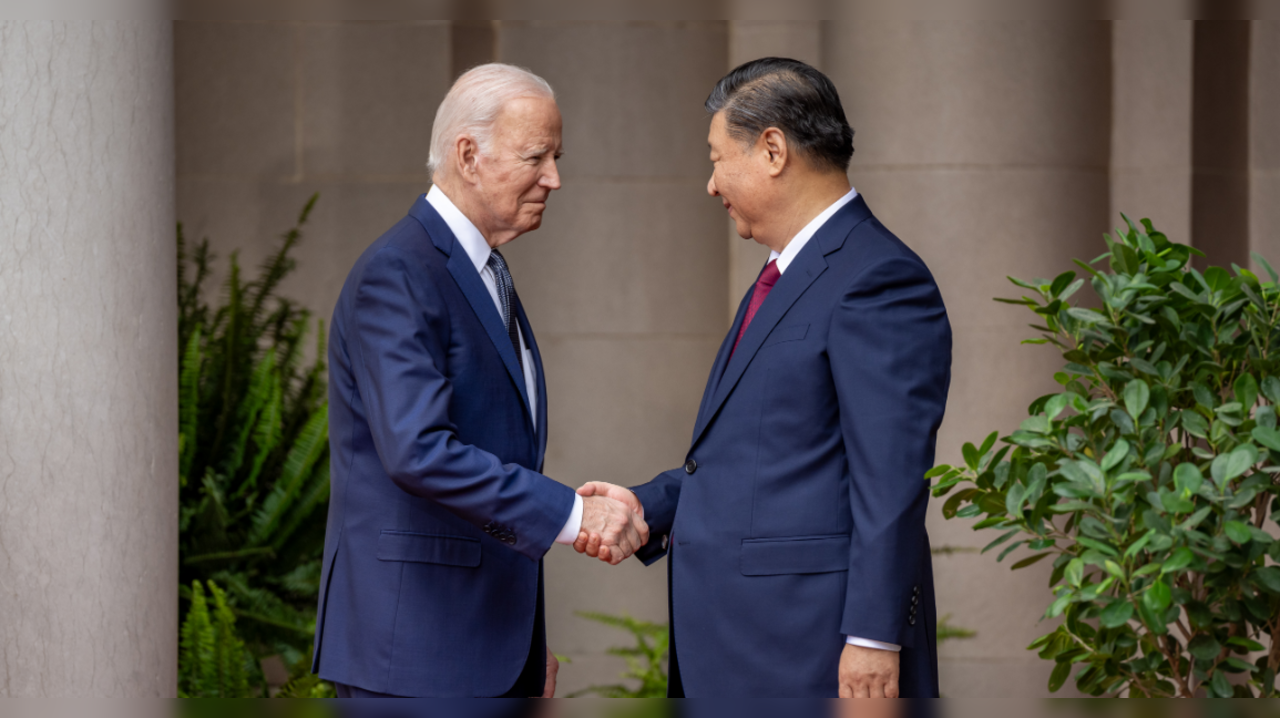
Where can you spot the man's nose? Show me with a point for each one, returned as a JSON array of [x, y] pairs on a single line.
[[551, 177]]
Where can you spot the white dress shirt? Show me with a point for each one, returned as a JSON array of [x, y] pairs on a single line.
[[784, 258], [478, 251]]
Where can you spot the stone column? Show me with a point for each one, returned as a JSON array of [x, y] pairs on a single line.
[[1151, 130], [985, 147], [88, 361], [1264, 145]]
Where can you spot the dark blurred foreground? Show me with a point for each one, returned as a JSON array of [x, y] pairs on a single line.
[[603, 708]]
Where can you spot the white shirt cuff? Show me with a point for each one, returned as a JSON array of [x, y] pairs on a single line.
[[569, 533], [868, 643]]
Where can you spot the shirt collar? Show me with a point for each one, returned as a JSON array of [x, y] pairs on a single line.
[[478, 250], [802, 238]]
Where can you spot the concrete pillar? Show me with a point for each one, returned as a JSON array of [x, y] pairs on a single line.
[[752, 40], [985, 147], [1264, 145], [1151, 124], [1220, 141], [88, 361], [625, 285]]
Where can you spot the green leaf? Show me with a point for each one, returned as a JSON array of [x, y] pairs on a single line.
[[1187, 478], [1237, 532], [1157, 597], [1220, 686], [1265, 265], [987, 443], [1245, 643], [1013, 500], [1139, 544], [1246, 391], [1000, 540], [1116, 614], [1117, 454], [1098, 545], [1059, 676], [1205, 647], [1268, 437], [1271, 389], [1136, 396], [970, 453], [937, 471], [1268, 577], [1075, 572], [1030, 560], [1195, 424], [1179, 560], [1087, 315]]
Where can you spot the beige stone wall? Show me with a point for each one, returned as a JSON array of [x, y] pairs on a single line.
[[991, 148], [88, 371]]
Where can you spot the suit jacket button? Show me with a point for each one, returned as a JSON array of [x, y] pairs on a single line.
[[914, 601], [911, 621], [511, 540], [690, 466]]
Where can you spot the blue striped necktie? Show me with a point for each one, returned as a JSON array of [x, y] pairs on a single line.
[[506, 297]]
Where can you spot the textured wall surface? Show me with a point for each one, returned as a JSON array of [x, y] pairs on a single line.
[[88, 381]]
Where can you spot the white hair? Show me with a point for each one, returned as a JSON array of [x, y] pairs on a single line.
[[473, 104]]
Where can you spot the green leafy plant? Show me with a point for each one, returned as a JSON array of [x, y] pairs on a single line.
[[214, 662], [1149, 477], [645, 661], [254, 469]]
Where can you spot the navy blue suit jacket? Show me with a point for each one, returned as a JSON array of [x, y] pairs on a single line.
[[799, 515], [438, 517]]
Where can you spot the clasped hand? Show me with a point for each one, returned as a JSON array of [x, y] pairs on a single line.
[[613, 524]]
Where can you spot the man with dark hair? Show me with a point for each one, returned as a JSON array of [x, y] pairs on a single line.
[[798, 558]]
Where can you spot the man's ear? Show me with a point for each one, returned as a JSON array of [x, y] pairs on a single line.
[[467, 156], [775, 143]]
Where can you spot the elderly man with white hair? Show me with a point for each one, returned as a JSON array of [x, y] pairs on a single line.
[[438, 515]]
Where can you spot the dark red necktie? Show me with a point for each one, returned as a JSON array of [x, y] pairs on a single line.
[[764, 284]]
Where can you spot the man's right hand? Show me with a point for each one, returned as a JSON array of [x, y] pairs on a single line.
[[612, 529]]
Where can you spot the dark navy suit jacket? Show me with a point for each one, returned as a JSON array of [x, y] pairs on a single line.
[[799, 515], [438, 517]]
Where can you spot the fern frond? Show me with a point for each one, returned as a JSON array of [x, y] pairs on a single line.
[[303, 580], [257, 396], [302, 457], [267, 433], [317, 493]]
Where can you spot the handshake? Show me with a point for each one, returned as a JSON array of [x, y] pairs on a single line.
[[613, 524]]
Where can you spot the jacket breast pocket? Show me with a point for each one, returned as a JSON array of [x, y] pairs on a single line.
[[428, 548], [788, 333], [795, 554]]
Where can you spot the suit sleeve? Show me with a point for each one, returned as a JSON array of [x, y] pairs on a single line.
[[890, 351], [659, 498], [407, 398]]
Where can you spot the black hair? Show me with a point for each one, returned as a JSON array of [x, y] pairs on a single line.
[[791, 96]]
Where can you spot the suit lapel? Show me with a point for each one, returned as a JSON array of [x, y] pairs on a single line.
[[722, 358], [468, 279], [804, 269], [540, 381]]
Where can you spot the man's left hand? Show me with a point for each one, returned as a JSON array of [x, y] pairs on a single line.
[[553, 667], [868, 673]]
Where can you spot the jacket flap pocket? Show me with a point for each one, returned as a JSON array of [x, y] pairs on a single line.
[[428, 548], [797, 554], [789, 333]]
